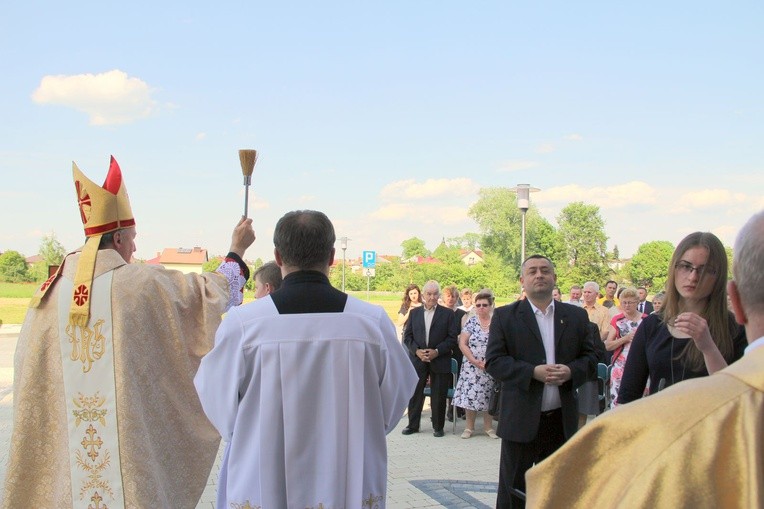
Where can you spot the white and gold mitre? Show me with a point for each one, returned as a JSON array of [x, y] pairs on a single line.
[[103, 209], [106, 208]]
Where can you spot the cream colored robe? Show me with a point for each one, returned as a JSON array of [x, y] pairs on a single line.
[[697, 444], [164, 322]]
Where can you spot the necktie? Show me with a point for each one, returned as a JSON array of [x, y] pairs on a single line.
[[641, 307]]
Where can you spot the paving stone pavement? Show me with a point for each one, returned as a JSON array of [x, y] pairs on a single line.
[[423, 471]]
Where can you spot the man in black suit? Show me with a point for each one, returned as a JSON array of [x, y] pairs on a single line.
[[541, 351], [644, 305], [430, 336]]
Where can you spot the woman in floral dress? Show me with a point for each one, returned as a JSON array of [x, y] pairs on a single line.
[[622, 329], [475, 385]]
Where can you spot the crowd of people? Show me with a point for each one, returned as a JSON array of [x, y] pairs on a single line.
[[127, 377]]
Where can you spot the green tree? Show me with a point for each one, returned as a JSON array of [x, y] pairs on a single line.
[[729, 252], [582, 231], [500, 223], [466, 241], [212, 264], [13, 268], [413, 247], [649, 265], [52, 253], [51, 250]]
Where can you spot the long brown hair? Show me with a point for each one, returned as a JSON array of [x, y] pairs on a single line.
[[721, 324], [407, 299]]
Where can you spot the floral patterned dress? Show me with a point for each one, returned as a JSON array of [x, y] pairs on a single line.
[[474, 386], [623, 327]]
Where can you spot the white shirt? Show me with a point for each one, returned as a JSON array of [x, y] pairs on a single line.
[[550, 398], [428, 314]]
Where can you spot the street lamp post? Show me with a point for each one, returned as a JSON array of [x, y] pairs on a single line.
[[523, 203], [344, 245]]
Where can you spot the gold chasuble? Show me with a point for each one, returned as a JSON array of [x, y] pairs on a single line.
[[86, 429], [106, 415], [698, 444]]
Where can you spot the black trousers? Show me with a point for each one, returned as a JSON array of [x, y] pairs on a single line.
[[517, 458], [439, 389]]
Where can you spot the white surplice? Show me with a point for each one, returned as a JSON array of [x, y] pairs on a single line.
[[305, 402]]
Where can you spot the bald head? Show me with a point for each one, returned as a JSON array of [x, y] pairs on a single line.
[[748, 264], [747, 289]]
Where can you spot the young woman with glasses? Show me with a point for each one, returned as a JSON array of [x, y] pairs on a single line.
[[694, 334]]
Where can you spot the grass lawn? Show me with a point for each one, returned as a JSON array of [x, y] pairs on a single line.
[[14, 300]]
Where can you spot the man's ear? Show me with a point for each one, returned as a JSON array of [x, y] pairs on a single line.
[[117, 238], [737, 305], [277, 257], [331, 257]]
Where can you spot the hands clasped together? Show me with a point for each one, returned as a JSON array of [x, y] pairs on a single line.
[[553, 374], [426, 354]]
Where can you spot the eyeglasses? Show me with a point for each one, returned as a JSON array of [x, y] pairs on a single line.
[[686, 269], [629, 303], [482, 305]]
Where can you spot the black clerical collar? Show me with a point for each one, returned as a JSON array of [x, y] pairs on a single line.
[[305, 276]]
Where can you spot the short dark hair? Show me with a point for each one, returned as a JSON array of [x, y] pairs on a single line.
[[536, 257], [305, 239], [269, 273]]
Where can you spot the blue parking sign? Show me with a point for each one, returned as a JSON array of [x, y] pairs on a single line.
[[369, 259]]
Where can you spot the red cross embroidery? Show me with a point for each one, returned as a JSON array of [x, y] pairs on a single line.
[[83, 201], [81, 295], [47, 283]]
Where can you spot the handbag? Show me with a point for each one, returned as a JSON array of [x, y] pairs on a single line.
[[494, 400]]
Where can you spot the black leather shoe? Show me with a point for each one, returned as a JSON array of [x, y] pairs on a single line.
[[409, 431], [438, 433], [450, 417]]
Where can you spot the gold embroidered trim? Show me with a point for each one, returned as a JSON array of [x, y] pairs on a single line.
[[372, 502], [92, 443], [89, 346], [245, 505]]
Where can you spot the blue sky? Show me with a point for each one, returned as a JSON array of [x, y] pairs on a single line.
[[387, 117]]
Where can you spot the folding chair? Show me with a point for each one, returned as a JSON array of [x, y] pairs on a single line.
[[603, 376]]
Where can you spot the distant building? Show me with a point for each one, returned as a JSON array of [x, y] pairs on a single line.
[[186, 260], [472, 256]]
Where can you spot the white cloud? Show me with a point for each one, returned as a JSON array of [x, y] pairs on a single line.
[[200, 136], [706, 198], [255, 202], [546, 148], [108, 98], [606, 197], [430, 188], [573, 137], [306, 198], [517, 166], [392, 211]]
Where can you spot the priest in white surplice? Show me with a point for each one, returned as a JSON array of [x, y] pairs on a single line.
[[304, 384]]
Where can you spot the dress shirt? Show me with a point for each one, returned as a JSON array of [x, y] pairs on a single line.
[[600, 316], [428, 314], [550, 399]]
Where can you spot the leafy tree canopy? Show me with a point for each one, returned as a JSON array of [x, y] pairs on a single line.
[[414, 247], [13, 268], [649, 265]]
